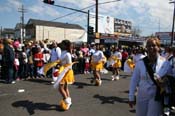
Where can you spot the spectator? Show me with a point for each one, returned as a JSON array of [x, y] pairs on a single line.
[[147, 76], [8, 61]]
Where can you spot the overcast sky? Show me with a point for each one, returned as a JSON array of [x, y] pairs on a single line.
[[149, 16]]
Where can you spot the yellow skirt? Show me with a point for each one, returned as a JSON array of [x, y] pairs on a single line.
[[117, 64], [68, 78], [97, 66]]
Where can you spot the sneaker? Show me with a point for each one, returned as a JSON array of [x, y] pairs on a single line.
[[18, 79], [166, 111], [112, 78], [13, 82], [52, 82], [173, 107], [68, 102], [117, 78], [100, 82]]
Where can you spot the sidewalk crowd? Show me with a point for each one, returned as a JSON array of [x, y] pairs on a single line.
[[23, 61]]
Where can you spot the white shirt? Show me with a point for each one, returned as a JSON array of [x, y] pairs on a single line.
[[98, 55], [65, 58], [55, 54], [118, 55]]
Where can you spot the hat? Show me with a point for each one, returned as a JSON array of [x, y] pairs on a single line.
[[8, 41]]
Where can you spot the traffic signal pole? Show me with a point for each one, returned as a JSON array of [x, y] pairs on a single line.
[[96, 18], [172, 37]]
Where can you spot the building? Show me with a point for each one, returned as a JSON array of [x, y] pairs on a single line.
[[8, 33], [122, 27], [110, 28], [165, 37], [18, 31], [41, 30]]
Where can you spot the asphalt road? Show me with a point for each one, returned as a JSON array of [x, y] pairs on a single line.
[[39, 98]]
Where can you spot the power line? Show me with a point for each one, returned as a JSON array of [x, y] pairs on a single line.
[[84, 9]]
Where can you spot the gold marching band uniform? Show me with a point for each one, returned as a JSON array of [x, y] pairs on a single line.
[[116, 63], [64, 75], [98, 66], [130, 63]]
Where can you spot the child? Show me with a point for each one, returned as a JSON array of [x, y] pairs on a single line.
[[87, 65], [16, 67]]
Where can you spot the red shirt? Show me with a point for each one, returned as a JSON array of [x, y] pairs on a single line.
[[38, 59]]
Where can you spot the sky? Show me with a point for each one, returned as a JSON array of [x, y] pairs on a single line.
[[149, 16]]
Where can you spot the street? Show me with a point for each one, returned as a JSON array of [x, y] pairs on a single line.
[[37, 97]]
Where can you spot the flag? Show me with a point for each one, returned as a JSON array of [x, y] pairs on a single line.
[[48, 66]]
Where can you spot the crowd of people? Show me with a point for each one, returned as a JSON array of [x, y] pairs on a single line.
[[149, 66]]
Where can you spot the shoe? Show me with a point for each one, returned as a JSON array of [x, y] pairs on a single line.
[[173, 107], [112, 78], [18, 79], [52, 82], [100, 82], [117, 78], [68, 102], [13, 82], [166, 111]]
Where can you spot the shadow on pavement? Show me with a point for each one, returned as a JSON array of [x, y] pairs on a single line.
[[31, 107], [110, 99], [81, 85], [47, 82]]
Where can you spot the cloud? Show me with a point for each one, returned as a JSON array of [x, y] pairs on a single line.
[[10, 5], [43, 10]]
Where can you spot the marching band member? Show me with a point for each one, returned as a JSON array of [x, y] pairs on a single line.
[[66, 75], [63, 74], [97, 63], [129, 66], [116, 58]]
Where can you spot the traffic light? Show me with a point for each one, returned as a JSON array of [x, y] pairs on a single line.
[[49, 1], [90, 30]]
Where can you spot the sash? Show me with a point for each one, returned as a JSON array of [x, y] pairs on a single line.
[[151, 74], [62, 74]]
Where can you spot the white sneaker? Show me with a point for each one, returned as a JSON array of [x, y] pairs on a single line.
[[13, 82], [100, 82], [167, 111], [173, 108], [68, 102], [117, 78], [112, 78], [52, 82]]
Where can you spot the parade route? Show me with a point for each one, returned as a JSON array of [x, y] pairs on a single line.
[[37, 97]]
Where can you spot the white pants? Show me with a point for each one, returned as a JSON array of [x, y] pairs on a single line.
[[148, 107]]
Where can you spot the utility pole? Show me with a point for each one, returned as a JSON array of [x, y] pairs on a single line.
[[172, 37], [159, 24], [96, 18], [1, 33], [88, 38], [22, 10]]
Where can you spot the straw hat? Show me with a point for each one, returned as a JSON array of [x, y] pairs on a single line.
[[8, 41]]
